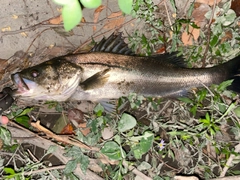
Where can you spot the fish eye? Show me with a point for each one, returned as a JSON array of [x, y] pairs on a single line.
[[34, 73]]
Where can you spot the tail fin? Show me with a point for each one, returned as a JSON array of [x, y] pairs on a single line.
[[232, 69]]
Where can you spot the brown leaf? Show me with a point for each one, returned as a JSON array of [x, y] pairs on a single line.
[[68, 129], [199, 14], [56, 20], [115, 14], [188, 37], [96, 15], [236, 7], [84, 129], [209, 2], [75, 116], [113, 23], [161, 50]]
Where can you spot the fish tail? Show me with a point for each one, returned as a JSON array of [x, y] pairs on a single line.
[[232, 70]]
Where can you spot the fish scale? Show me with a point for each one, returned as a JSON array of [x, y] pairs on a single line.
[[116, 71]]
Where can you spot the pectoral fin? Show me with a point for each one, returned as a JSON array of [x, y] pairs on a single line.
[[95, 81]]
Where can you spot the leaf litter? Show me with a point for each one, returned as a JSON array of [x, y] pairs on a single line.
[[190, 147]]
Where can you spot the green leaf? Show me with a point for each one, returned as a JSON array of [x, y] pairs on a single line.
[[23, 120], [237, 111], [224, 85], [99, 109], [70, 166], [84, 162], [126, 122], [72, 15], [63, 2], [173, 5], [185, 99], [125, 6], [144, 145], [51, 149], [91, 3], [214, 40], [25, 111], [5, 136], [112, 150], [9, 170]]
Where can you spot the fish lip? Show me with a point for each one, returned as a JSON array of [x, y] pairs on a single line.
[[19, 82]]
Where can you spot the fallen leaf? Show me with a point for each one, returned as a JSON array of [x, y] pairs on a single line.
[[228, 36], [161, 50], [56, 20], [84, 129], [236, 7], [113, 23], [3, 64], [198, 14], [115, 14], [209, 2], [83, 20], [76, 116], [96, 15], [187, 38], [107, 133], [68, 129]]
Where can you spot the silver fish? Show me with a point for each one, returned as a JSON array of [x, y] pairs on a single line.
[[111, 70]]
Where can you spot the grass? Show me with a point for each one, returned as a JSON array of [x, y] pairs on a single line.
[[194, 135]]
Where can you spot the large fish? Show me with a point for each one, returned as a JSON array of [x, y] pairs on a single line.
[[110, 71]]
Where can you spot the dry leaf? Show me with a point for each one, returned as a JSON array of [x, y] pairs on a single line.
[[96, 15], [115, 14], [161, 50], [209, 2], [113, 23], [68, 129], [199, 14], [3, 65], [107, 133], [56, 20], [83, 20], [84, 129], [187, 38], [236, 7]]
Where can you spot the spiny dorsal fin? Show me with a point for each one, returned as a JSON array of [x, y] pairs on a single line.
[[113, 44]]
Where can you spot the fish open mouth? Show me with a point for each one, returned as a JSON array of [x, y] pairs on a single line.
[[20, 83]]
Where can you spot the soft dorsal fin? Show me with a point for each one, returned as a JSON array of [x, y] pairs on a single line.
[[113, 44], [172, 59]]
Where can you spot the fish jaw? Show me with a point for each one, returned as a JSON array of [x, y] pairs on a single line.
[[27, 90], [24, 86]]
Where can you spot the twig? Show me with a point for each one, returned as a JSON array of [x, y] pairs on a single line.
[[170, 22], [43, 24], [208, 35], [61, 138], [229, 162]]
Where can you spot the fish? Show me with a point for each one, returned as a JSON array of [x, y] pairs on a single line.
[[111, 70]]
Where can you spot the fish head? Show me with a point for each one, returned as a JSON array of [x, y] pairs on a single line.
[[53, 80]]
